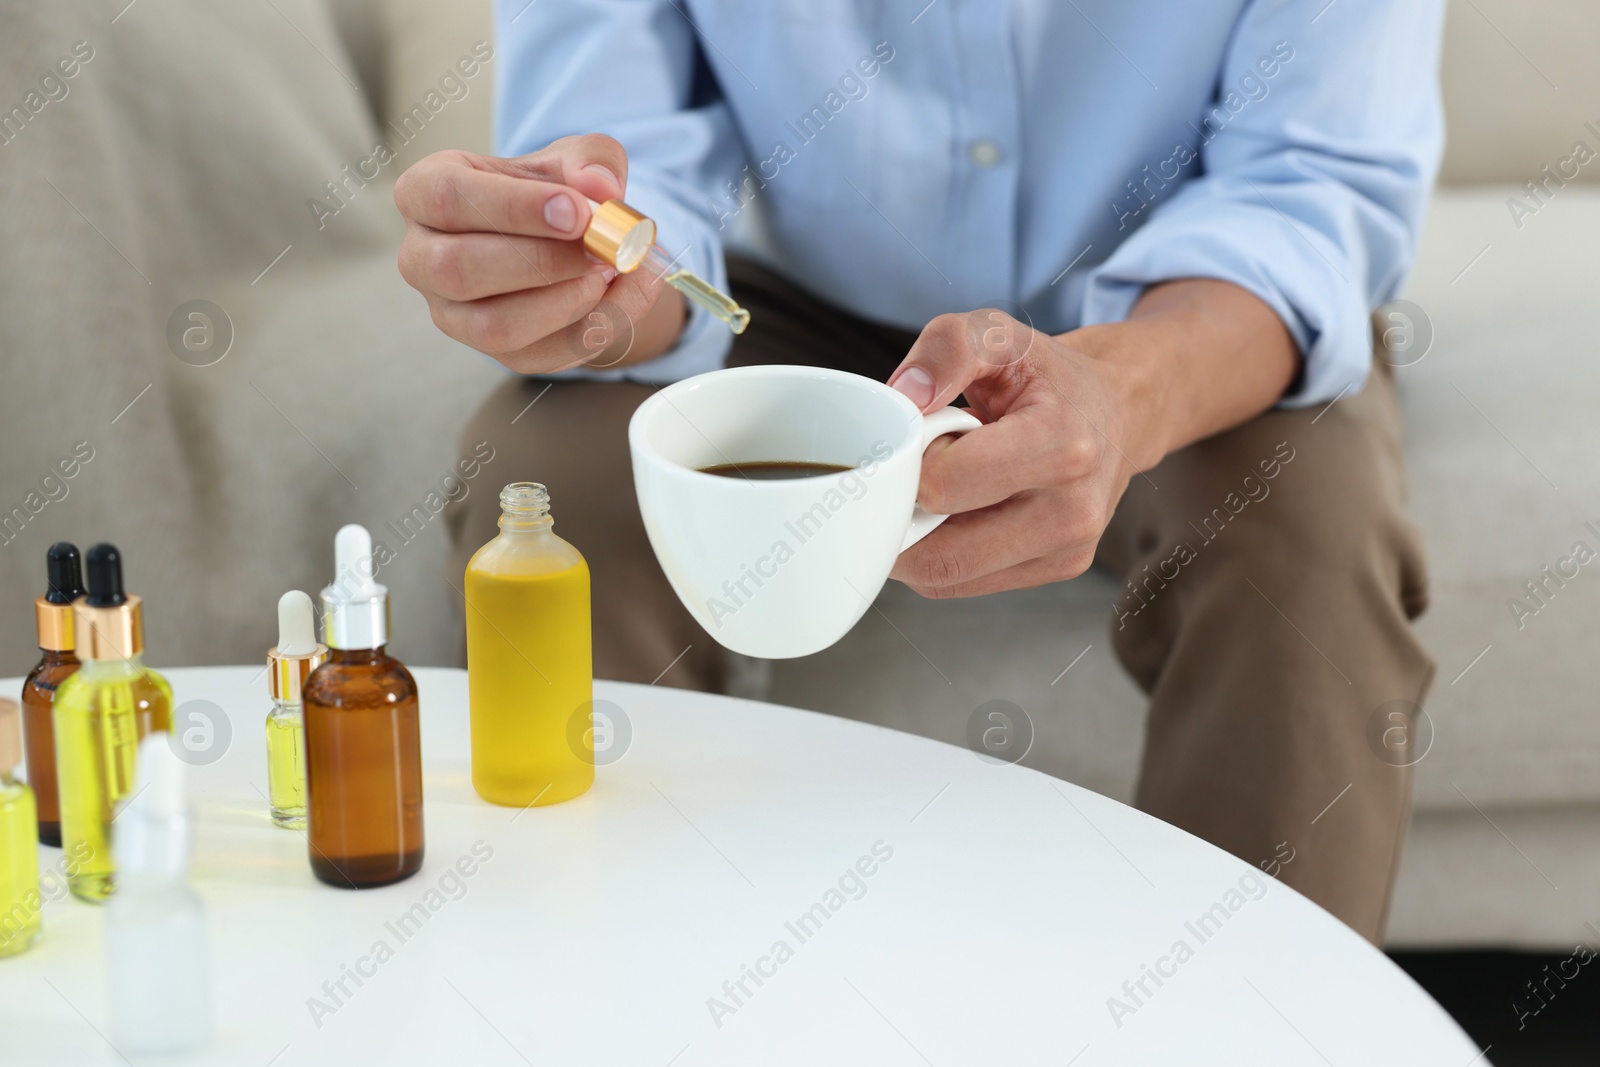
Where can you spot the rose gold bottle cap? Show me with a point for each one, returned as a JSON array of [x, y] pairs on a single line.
[[286, 675], [618, 234], [10, 735], [54, 624], [115, 632], [107, 622]]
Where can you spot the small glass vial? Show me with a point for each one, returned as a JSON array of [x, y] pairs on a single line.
[[157, 961], [52, 615], [296, 655], [101, 714], [530, 675], [20, 902], [363, 737]]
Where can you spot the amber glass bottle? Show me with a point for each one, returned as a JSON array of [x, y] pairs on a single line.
[[363, 743], [38, 704], [53, 617]]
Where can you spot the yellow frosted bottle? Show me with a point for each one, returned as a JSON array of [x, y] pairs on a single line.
[[530, 673]]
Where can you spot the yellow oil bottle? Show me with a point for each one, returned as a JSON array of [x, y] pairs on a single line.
[[101, 714], [530, 674], [20, 903], [289, 663], [286, 767]]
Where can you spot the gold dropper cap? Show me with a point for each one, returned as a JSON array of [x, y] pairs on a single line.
[[115, 632], [10, 735], [54, 624], [619, 235], [107, 623], [52, 613]]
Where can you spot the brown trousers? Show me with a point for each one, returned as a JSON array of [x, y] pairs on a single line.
[[1271, 576]]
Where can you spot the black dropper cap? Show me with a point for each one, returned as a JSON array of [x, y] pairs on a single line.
[[105, 577], [65, 573]]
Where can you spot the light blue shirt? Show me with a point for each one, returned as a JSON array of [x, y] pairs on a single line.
[[1051, 158]]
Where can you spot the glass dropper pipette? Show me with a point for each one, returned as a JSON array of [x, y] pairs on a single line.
[[625, 238], [695, 288]]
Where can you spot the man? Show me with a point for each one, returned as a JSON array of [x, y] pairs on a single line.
[[1142, 239]]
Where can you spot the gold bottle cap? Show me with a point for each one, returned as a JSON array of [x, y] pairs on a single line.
[[286, 675], [619, 235], [54, 623], [109, 633], [10, 735]]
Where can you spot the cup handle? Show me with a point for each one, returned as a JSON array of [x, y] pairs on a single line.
[[941, 422]]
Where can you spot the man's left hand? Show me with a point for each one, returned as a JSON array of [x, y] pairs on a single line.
[[1068, 420]]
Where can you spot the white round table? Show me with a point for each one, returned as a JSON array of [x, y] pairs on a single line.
[[748, 884]]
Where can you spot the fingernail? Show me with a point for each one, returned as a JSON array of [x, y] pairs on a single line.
[[560, 212], [608, 274], [917, 385], [606, 173]]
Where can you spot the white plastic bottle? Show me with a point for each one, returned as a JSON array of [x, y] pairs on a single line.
[[157, 964]]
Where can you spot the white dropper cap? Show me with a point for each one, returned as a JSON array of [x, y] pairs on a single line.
[[297, 624], [355, 606], [152, 829], [297, 654]]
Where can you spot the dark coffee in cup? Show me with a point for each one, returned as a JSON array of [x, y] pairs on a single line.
[[773, 470]]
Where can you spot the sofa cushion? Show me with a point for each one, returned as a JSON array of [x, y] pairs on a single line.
[[424, 42], [180, 165], [927, 666], [1520, 83], [1501, 444]]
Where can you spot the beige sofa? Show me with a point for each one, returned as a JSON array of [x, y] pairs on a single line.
[[180, 161]]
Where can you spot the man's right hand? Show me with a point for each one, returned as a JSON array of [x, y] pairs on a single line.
[[495, 245]]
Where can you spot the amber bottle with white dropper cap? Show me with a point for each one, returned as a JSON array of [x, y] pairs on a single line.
[[363, 742]]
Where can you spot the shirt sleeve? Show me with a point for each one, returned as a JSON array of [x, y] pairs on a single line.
[[1312, 182], [632, 70]]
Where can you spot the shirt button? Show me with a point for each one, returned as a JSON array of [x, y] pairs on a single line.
[[983, 152]]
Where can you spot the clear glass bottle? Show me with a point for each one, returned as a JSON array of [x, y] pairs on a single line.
[[101, 714], [530, 670], [289, 664], [53, 621], [363, 737], [157, 960], [20, 903]]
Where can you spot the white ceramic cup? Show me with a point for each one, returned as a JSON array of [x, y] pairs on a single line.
[[782, 568]]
